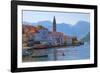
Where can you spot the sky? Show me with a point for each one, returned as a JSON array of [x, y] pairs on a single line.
[[61, 17]]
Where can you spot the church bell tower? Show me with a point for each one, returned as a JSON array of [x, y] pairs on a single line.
[[54, 24]]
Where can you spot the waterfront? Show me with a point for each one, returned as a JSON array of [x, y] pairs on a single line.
[[52, 54]]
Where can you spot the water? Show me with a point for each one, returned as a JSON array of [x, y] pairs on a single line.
[[66, 53], [71, 53]]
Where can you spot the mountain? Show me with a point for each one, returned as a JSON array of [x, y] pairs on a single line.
[[46, 24], [86, 38], [65, 28], [79, 29]]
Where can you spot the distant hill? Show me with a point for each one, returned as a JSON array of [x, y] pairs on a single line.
[[29, 29], [46, 24], [79, 29], [86, 38]]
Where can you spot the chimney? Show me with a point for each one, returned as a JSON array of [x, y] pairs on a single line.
[[54, 24]]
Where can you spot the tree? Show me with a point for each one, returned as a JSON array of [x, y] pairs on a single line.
[[40, 26], [74, 40]]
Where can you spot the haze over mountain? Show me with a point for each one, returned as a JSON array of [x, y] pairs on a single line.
[[86, 38], [80, 29]]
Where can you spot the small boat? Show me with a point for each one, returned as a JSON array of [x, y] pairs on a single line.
[[39, 56]]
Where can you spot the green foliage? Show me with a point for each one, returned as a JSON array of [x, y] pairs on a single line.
[[74, 40], [65, 43], [40, 26]]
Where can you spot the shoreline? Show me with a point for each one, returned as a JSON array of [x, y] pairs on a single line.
[[46, 47]]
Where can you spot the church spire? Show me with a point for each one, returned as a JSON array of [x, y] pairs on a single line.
[[54, 24]]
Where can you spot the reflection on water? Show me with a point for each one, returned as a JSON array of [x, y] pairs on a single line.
[[51, 54]]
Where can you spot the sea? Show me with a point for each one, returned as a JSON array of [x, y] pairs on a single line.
[[57, 54]]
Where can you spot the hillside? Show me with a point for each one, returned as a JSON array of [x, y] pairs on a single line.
[[79, 29], [86, 38]]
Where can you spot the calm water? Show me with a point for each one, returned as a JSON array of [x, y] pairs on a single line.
[[51, 54]]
